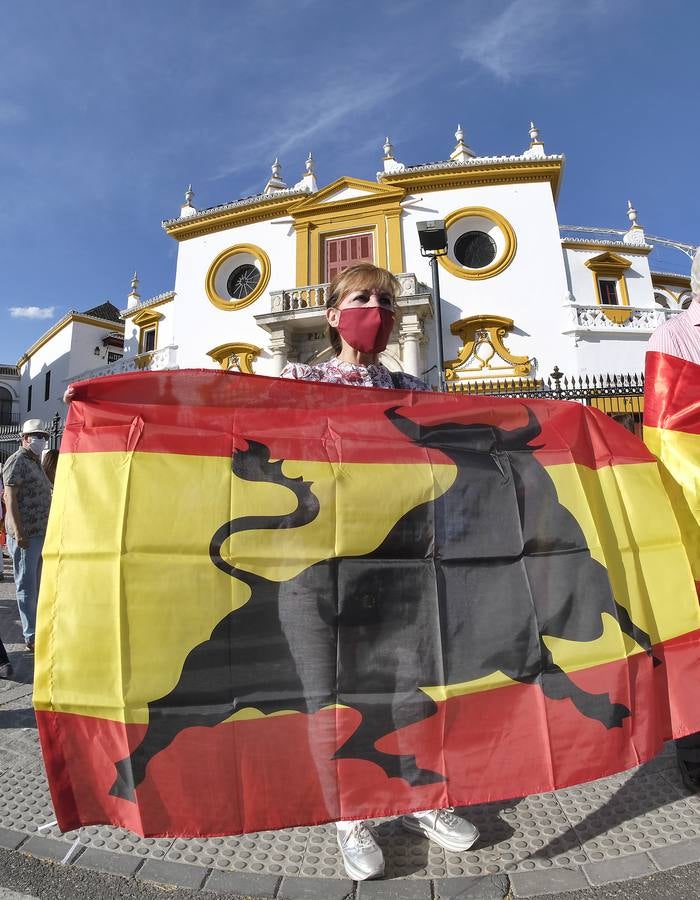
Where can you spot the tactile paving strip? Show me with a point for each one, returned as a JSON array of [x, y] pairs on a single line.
[[267, 852], [629, 813], [643, 809]]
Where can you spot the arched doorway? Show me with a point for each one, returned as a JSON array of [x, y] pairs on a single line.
[[5, 406]]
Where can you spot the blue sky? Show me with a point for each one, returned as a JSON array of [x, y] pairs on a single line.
[[109, 109]]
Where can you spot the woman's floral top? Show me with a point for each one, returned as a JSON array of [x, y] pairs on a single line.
[[335, 371]]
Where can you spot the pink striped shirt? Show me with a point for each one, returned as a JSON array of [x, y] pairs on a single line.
[[680, 336]]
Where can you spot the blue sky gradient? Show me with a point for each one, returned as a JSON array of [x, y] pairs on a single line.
[[108, 110]]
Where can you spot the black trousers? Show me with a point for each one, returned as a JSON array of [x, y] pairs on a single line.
[[3, 654]]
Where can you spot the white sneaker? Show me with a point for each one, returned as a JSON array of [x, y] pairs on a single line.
[[362, 855], [444, 827]]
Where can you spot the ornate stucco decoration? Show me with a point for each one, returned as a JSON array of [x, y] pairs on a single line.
[[483, 355], [236, 357]]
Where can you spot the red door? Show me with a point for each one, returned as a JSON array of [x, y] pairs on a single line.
[[347, 251]]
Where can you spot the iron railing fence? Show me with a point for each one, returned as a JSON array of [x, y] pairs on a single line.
[[10, 436], [618, 396]]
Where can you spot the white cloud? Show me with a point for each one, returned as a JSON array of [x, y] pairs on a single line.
[[32, 312], [532, 37]]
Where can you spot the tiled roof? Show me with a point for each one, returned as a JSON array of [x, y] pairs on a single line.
[[107, 311]]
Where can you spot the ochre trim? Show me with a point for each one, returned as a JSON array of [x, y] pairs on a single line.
[[496, 328], [59, 326], [377, 211], [185, 229], [681, 281], [612, 267], [471, 176], [237, 356], [500, 263], [145, 320], [129, 313], [146, 317], [599, 246], [229, 303]]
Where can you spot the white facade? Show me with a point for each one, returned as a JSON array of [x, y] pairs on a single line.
[[77, 344], [518, 299]]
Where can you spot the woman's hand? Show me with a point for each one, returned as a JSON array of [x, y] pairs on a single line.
[[69, 394]]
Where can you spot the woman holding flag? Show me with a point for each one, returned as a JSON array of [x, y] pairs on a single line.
[[361, 310]]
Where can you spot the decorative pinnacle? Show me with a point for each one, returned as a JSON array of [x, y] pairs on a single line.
[[276, 168], [189, 195], [459, 134], [134, 283], [309, 164], [388, 148], [631, 214], [534, 133]]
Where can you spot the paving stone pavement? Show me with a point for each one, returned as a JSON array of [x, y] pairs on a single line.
[[622, 827]]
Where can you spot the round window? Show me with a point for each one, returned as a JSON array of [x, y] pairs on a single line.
[[475, 249], [238, 276], [242, 281]]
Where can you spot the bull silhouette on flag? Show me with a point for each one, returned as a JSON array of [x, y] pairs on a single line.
[[496, 558], [271, 603]]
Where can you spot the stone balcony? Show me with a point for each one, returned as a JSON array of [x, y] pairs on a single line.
[[296, 323], [155, 360], [615, 319]]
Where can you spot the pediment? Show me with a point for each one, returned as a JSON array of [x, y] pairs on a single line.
[[607, 260], [352, 191]]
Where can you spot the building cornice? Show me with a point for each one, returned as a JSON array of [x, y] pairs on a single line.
[[71, 317], [660, 279], [240, 212], [482, 170], [158, 300], [620, 246]]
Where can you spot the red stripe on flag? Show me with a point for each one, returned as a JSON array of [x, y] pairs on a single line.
[[260, 774], [672, 393], [208, 413]]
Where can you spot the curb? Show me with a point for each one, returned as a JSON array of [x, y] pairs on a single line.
[[269, 887]]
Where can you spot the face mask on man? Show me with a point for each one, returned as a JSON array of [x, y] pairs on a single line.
[[37, 445], [367, 328]]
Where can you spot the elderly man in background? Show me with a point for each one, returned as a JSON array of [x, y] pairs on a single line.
[[680, 336], [27, 498]]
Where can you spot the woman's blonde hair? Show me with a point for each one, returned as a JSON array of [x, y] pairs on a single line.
[[362, 277]]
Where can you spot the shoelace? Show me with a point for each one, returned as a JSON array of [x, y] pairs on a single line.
[[448, 817], [361, 836]]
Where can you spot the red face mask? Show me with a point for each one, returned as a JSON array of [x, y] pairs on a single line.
[[366, 329]]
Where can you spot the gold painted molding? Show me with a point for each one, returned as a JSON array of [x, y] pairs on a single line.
[[219, 220], [593, 245], [377, 211], [519, 172], [660, 280], [500, 263], [238, 356], [229, 303], [487, 332], [609, 265]]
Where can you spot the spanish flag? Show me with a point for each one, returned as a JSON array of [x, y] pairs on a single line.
[[672, 433], [269, 603]]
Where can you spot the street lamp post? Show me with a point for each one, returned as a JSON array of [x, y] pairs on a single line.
[[433, 243]]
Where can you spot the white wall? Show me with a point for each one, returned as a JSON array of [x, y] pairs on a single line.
[[582, 281], [198, 325], [55, 357], [530, 290]]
